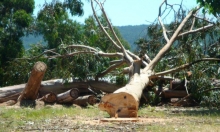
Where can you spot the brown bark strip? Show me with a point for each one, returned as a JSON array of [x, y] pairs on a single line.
[[174, 94], [32, 87]]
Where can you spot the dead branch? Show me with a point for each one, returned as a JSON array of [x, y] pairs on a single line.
[[184, 66], [161, 23], [129, 59], [161, 53], [112, 67], [197, 30]]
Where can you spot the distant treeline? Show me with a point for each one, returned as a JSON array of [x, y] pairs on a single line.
[[130, 34]]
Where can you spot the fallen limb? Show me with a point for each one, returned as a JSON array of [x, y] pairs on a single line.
[[85, 100]]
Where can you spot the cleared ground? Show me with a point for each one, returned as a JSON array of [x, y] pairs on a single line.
[[74, 118]]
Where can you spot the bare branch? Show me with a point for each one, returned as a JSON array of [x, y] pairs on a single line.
[[161, 23], [202, 18], [112, 30], [102, 28], [82, 46], [161, 53], [183, 66], [88, 52], [115, 61], [147, 58], [111, 68], [164, 29], [196, 30]]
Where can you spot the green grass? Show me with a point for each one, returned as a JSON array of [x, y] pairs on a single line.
[[59, 118]]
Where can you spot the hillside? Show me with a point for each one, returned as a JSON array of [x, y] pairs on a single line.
[[129, 33], [32, 39], [133, 33]]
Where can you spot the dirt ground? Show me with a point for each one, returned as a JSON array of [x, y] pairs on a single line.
[[79, 123], [159, 119]]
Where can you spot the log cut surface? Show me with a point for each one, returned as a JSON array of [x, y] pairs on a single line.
[[119, 105]]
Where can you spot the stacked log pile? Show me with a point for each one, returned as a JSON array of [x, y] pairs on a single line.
[[53, 91]]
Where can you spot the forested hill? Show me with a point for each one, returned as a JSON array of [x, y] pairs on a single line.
[[133, 33], [129, 33]]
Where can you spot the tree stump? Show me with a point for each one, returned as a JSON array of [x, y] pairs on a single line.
[[124, 102], [31, 89]]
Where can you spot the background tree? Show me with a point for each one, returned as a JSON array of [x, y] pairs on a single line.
[[60, 32], [211, 5], [15, 16]]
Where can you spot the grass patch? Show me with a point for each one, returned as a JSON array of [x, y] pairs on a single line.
[[70, 118]]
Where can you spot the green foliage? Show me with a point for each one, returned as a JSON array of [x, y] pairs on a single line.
[[212, 100], [186, 49], [55, 25], [95, 37], [75, 6], [211, 5], [121, 80], [15, 17]]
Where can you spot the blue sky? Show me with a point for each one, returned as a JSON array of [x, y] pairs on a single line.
[[126, 12]]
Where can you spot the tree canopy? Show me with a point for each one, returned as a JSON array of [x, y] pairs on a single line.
[[15, 16], [211, 5]]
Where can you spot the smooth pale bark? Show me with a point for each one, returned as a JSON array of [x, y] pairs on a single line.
[[68, 96], [8, 103], [32, 87], [85, 100], [124, 102]]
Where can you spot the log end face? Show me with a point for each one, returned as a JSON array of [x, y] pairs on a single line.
[[40, 66], [119, 105]]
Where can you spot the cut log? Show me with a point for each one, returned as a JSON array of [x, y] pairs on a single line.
[[11, 92], [56, 86], [9, 103], [49, 98], [174, 94], [85, 100], [68, 96], [103, 86], [10, 96], [178, 84], [124, 102], [32, 87]]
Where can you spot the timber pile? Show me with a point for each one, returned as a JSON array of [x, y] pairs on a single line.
[[53, 91], [177, 89], [82, 93]]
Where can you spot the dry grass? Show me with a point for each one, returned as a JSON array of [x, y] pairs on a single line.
[[151, 119]]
